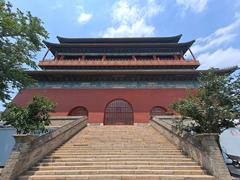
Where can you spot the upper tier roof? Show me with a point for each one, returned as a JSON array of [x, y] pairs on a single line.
[[172, 39], [113, 48]]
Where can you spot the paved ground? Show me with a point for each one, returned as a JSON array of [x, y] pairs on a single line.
[[234, 171]]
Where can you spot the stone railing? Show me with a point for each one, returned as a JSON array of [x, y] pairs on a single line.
[[164, 62], [59, 121], [203, 148], [28, 150]]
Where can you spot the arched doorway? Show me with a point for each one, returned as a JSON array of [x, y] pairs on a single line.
[[78, 111], [118, 112], [157, 111]]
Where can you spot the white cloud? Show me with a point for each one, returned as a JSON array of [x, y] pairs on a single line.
[[194, 5], [221, 58], [83, 18], [221, 37], [57, 5], [131, 19], [237, 4], [214, 50], [79, 7], [139, 29], [210, 43]]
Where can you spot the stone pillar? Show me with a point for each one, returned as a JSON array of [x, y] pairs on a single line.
[[22, 146], [212, 158]]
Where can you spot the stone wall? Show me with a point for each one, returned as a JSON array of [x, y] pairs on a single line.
[[28, 150], [203, 148]]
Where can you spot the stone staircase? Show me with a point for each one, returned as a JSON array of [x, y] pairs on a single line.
[[117, 153]]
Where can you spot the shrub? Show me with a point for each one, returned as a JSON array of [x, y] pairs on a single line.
[[27, 120]]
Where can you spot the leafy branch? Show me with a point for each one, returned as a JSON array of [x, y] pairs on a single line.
[[21, 36], [214, 107]]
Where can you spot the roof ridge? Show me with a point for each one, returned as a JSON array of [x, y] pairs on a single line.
[[110, 39]]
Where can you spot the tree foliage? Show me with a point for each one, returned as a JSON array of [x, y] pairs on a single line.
[[214, 107], [20, 38], [34, 117]]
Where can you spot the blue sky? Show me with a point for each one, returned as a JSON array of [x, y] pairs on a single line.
[[214, 24]]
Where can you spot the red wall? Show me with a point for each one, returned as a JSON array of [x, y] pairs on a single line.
[[95, 100]]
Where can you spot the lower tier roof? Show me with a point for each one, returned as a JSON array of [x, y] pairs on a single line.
[[58, 75]]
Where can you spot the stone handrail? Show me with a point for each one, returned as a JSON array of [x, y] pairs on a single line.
[[203, 148], [59, 121], [28, 150]]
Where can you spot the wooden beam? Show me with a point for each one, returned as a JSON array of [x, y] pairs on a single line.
[[192, 54], [55, 56], [134, 58], [45, 55], [104, 58], [83, 57]]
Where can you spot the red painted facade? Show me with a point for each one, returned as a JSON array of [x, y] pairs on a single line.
[[95, 100]]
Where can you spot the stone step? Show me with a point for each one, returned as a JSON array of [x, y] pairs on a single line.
[[115, 171], [123, 138], [121, 143], [112, 138], [54, 156], [95, 167], [114, 159], [116, 153], [113, 143], [135, 163], [120, 137], [117, 177], [117, 149]]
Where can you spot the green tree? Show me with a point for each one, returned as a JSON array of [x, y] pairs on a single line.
[[214, 107], [21, 38], [34, 117]]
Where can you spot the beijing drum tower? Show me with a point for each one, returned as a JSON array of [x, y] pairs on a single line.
[[115, 80]]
